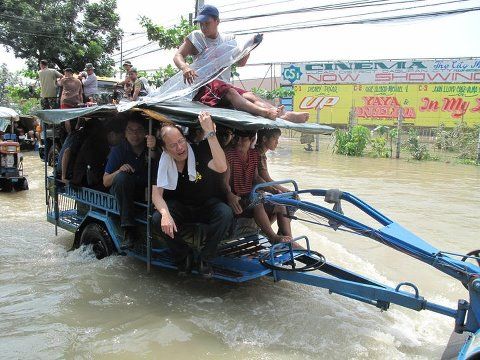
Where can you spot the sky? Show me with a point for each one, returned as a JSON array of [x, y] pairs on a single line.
[[450, 36]]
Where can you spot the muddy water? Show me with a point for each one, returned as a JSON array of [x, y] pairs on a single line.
[[60, 304]]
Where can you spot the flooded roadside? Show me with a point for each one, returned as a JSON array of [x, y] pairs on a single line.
[[60, 304]]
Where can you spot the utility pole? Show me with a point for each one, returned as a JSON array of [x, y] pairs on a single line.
[[399, 131], [121, 55], [478, 149], [317, 137], [198, 5]]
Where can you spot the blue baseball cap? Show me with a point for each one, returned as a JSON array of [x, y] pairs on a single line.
[[206, 12]]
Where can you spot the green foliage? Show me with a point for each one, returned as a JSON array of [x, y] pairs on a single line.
[[26, 106], [162, 75], [417, 151], [351, 142], [393, 133], [6, 79], [68, 33], [280, 92], [379, 147], [462, 140], [13, 94], [167, 38]]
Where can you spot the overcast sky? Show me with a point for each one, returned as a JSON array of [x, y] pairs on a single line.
[[450, 36]]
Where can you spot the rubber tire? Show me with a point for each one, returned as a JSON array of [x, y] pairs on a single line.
[[6, 185], [21, 185], [96, 235]]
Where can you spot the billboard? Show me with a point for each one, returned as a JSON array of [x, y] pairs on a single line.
[[427, 105], [462, 70], [429, 92]]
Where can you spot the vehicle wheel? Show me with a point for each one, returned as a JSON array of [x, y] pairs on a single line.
[[6, 185], [101, 241], [22, 185]]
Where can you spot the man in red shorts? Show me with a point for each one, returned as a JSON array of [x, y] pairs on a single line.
[[219, 92]]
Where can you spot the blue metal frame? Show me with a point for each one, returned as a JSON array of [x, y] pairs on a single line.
[[467, 315], [103, 206]]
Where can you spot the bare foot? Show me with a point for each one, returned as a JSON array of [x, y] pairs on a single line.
[[281, 110], [295, 116], [271, 113], [275, 239]]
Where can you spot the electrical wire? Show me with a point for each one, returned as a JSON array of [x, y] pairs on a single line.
[[255, 6], [148, 52], [280, 26], [335, 6], [133, 50], [362, 21]]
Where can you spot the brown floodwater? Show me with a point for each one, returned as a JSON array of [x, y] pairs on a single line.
[[60, 304]]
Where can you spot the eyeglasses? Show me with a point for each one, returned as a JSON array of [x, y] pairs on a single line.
[[179, 143], [135, 131]]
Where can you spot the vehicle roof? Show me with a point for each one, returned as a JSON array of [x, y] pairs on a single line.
[[183, 112]]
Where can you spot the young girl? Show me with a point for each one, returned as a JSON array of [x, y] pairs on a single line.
[[267, 139], [241, 176]]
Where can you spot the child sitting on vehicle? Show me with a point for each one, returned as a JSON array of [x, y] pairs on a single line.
[[241, 175], [267, 139]]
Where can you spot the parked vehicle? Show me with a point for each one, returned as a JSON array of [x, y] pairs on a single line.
[[11, 160]]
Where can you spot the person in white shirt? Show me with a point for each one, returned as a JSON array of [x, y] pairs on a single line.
[[90, 83], [219, 92]]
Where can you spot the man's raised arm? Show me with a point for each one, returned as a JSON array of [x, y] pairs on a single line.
[[183, 51], [218, 162]]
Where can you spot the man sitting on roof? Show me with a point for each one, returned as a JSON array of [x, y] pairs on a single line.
[[220, 92], [126, 174], [139, 85], [126, 83], [185, 192]]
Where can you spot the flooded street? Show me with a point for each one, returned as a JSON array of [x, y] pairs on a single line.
[[60, 304]]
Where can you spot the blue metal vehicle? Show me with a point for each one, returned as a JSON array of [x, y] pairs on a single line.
[[94, 218]]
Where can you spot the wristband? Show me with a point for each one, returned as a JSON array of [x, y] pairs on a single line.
[[209, 135]]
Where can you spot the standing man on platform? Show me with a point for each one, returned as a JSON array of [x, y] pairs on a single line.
[[48, 78], [90, 83]]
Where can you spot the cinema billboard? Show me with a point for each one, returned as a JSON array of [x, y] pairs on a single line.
[[430, 92]]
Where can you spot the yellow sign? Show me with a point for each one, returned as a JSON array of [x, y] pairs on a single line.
[[427, 105]]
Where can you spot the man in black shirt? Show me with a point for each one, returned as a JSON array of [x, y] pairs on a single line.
[[126, 174], [185, 192]]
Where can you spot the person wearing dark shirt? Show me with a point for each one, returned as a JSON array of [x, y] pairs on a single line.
[[90, 163], [184, 193], [69, 150], [126, 174]]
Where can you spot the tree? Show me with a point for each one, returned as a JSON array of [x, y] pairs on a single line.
[[167, 38], [6, 79], [69, 33], [14, 93]]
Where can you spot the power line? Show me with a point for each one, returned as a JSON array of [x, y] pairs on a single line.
[[57, 36], [336, 6], [145, 53], [281, 26], [132, 50], [256, 6], [237, 3], [365, 21]]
